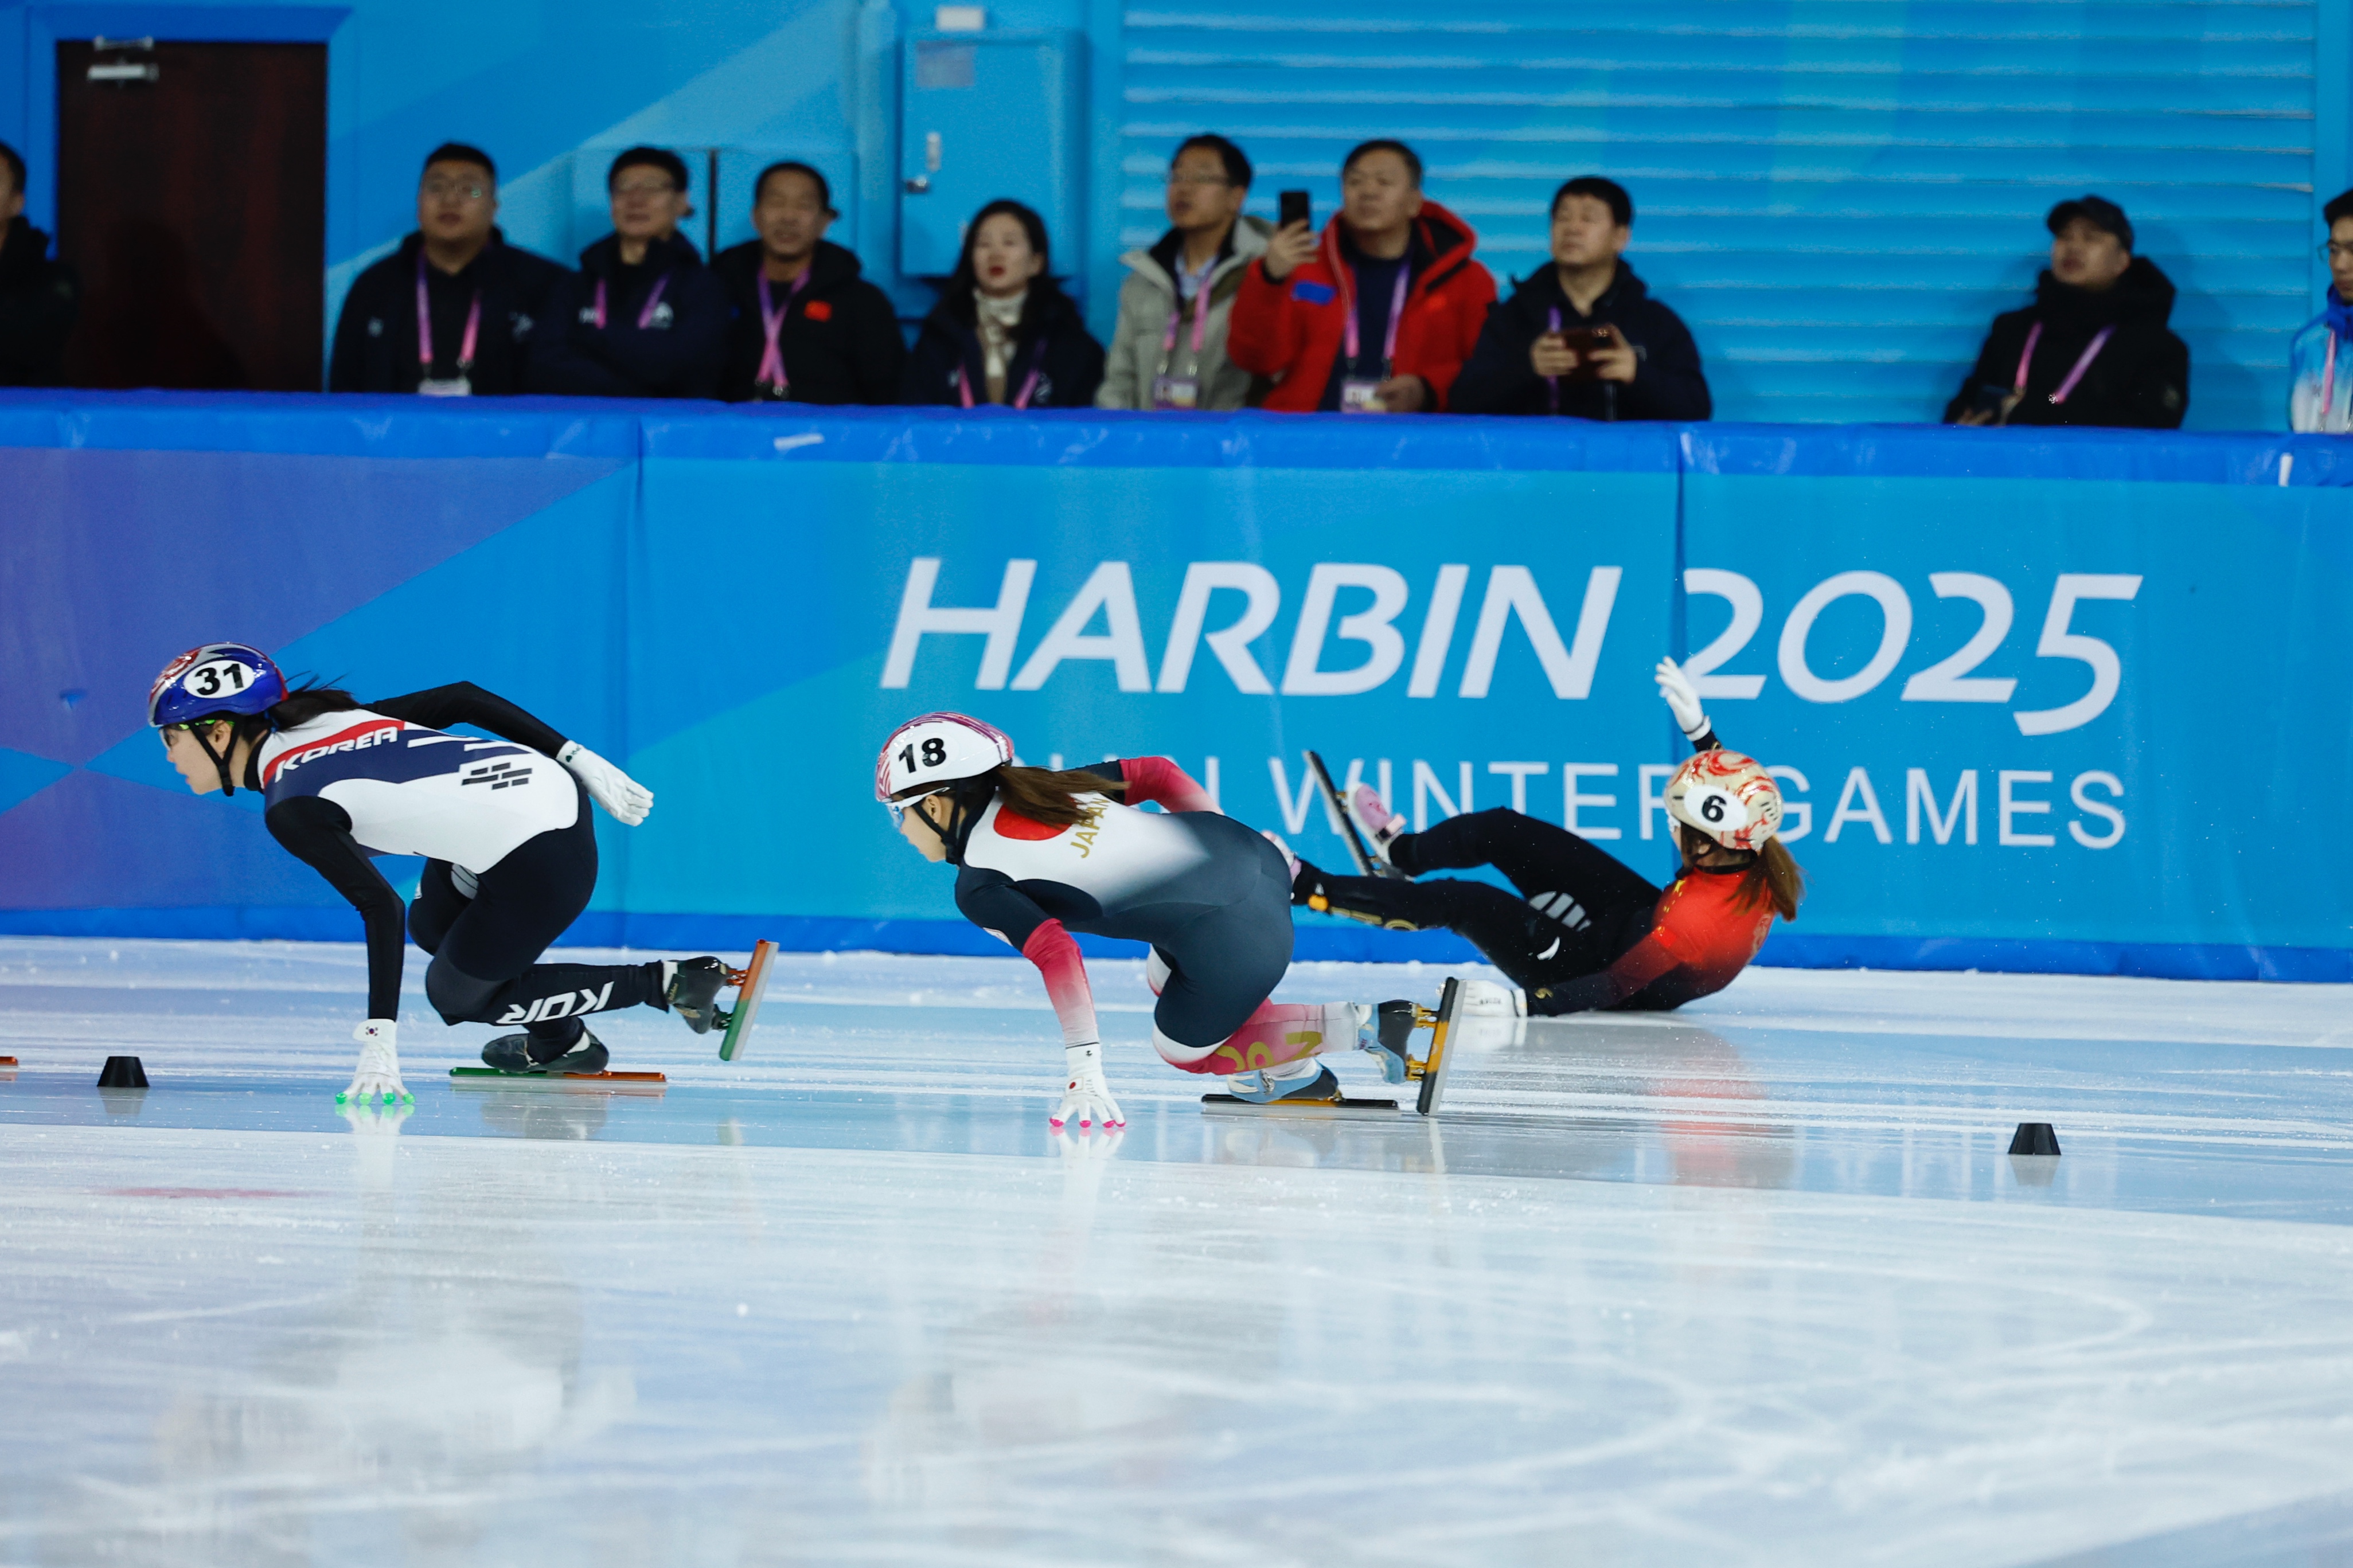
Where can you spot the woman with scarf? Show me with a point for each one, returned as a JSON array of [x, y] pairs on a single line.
[[1004, 332]]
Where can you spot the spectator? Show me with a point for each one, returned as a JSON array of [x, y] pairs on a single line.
[[643, 317], [2094, 348], [1169, 349], [450, 314], [1583, 336], [1379, 315], [1004, 332], [807, 327], [38, 297], [2320, 361]]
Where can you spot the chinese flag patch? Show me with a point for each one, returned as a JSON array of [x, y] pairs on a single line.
[[819, 310]]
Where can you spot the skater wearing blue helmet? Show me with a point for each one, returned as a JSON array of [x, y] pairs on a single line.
[[502, 824]]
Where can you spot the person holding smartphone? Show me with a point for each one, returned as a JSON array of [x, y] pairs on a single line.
[[1376, 314], [1583, 336]]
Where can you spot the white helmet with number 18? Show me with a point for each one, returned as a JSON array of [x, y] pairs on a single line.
[[928, 753], [1728, 796]]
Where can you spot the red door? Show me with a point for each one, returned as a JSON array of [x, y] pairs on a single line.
[[192, 196]]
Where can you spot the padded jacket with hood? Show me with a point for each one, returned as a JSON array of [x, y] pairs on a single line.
[[839, 339], [680, 352], [1051, 339], [376, 336], [1292, 330], [1668, 382], [2140, 377], [1149, 298]]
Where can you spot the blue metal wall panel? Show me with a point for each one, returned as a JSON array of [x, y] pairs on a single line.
[[1837, 195]]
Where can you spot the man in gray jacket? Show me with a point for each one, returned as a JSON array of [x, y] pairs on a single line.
[[1169, 349]]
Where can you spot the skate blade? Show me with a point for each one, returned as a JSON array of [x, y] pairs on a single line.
[[575, 1082], [750, 983], [1342, 1109], [1435, 1067]]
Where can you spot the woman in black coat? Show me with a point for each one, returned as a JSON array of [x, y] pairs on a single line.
[[1004, 332]]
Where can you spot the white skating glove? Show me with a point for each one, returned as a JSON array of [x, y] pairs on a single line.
[[1086, 1099], [378, 1075], [1677, 688], [623, 797]]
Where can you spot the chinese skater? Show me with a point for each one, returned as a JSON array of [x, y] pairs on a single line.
[[510, 852], [1587, 932], [1040, 855]]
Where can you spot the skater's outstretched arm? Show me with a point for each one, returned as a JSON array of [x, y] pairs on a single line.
[[463, 702], [990, 901], [1683, 698], [319, 832], [1157, 778]]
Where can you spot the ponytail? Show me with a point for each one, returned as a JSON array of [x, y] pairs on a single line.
[[1045, 796], [1774, 876]]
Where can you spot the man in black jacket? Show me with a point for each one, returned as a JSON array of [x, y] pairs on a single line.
[[452, 312], [38, 297], [818, 333], [2094, 348], [643, 317], [1583, 336]]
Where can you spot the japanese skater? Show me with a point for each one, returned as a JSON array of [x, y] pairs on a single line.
[[1041, 855]]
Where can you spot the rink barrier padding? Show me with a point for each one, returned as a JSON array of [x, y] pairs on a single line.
[[2055, 701]]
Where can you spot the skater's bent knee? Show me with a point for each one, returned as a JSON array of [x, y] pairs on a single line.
[[456, 995]]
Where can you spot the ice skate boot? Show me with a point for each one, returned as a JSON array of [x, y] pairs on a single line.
[[1380, 826], [515, 1054], [1385, 1036], [694, 987], [1265, 1088]]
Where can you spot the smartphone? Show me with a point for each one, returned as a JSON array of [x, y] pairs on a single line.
[[1585, 339], [1291, 208]]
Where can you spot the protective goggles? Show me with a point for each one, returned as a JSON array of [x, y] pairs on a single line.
[[897, 808]]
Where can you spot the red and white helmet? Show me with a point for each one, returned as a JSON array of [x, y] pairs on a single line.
[[1730, 797], [935, 751]]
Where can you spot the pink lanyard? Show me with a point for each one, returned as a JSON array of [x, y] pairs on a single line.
[[424, 327], [771, 321], [646, 316], [2074, 375], [1552, 382], [1200, 316], [1397, 314], [1021, 398], [2328, 383]]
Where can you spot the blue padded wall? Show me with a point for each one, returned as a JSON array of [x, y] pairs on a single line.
[[1836, 195]]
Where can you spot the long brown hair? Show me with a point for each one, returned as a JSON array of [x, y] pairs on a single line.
[[1043, 796], [1771, 875]]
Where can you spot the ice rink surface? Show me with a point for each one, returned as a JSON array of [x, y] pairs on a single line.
[[1751, 1283]]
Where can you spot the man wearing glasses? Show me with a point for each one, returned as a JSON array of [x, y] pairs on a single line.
[[643, 317], [2320, 361], [1169, 349], [452, 312]]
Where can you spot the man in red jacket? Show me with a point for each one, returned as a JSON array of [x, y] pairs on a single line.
[[1378, 316]]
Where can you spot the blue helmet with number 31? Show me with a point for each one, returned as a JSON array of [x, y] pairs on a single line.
[[218, 679]]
